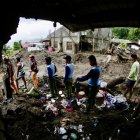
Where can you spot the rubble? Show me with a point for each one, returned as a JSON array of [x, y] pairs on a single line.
[[37, 115]]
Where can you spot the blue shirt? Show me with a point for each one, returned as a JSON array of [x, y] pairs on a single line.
[[51, 70], [92, 76], [69, 71]]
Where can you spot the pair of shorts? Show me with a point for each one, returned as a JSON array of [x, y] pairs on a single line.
[[130, 83], [20, 75]]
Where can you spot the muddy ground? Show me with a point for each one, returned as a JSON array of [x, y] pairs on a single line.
[[27, 120]]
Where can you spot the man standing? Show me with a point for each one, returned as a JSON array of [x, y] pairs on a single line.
[[20, 72], [50, 72], [10, 75], [133, 76], [34, 71], [93, 81], [69, 73]]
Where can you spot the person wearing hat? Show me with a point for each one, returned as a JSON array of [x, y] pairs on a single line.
[[10, 74], [133, 76], [93, 81], [69, 73], [20, 72], [34, 71], [50, 72]]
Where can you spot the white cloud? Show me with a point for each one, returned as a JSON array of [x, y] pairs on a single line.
[[29, 29]]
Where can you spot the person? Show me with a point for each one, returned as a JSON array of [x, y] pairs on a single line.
[[93, 82], [10, 75], [34, 71], [50, 72], [132, 77], [68, 78], [107, 59], [20, 72]]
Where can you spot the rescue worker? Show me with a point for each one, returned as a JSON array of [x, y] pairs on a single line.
[[50, 72], [93, 82], [10, 74], [69, 73], [133, 76], [34, 71], [20, 72]]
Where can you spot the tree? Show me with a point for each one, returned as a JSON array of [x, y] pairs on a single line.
[[16, 46], [120, 32], [134, 34]]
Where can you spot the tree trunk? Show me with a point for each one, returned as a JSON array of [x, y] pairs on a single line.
[[115, 82]]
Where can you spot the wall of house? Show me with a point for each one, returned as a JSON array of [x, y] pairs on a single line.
[[102, 38], [73, 40]]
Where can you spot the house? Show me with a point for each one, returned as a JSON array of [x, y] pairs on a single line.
[[64, 40]]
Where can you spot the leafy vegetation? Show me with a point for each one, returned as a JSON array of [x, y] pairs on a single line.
[[122, 45], [121, 33], [16, 46], [132, 34], [10, 51]]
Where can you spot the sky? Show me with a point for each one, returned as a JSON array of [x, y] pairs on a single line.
[[31, 29]]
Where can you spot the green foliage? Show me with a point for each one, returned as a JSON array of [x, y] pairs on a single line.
[[7, 50], [122, 45], [121, 32], [134, 34], [4, 48], [16, 46]]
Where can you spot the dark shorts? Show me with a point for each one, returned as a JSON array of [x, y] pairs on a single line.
[[20, 75], [130, 83]]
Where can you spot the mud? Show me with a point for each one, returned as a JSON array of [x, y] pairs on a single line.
[[26, 118]]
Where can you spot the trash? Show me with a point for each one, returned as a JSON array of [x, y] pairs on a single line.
[[60, 92], [43, 99], [62, 130], [69, 109], [87, 138], [30, 90], [64, 103], [62, 95], [46, 85], [120, 98], [103, 84], [48, 96], [80, 127], [101, 93], [52, 100], [81, 93], [64, 137], [73, 136]]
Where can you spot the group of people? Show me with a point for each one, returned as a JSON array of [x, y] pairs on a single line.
[[92, 76], [14, 78]]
